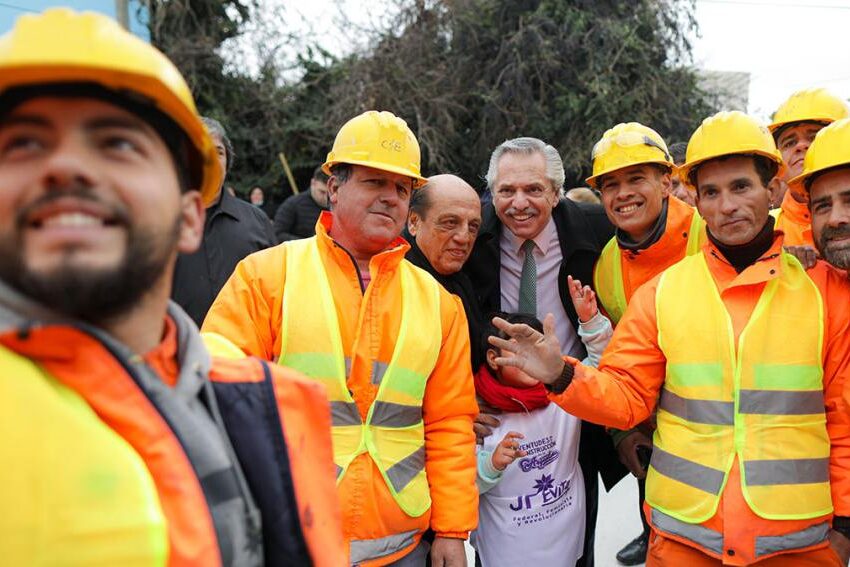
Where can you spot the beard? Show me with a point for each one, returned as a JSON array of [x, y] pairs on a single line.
[[840, 257], [93, 295]]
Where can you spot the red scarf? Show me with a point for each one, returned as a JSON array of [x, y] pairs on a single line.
[[508, 398]]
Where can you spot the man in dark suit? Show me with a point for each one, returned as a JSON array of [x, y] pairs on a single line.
[[531, 239]]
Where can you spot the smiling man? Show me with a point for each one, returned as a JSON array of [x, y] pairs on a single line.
[[116, 419], [388, 342], [531, 239], [632, 169], [746, 356], [825, 180], [445, 217], [795, 124]]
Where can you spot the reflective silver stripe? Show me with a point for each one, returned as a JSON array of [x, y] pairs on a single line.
[[698, 411], [401, 473], [688, 472], [700, 535], [378, 371], [389, 414], [813, 535], [786, 471], [365, 549], [767, 402], [345, 413]]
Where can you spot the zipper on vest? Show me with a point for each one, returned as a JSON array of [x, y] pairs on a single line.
[[356, 267]]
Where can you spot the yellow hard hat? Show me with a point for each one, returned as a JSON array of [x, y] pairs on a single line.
[[377, 139], [628, 144], [64, 46], [810, 105], [728, 133], [829, 150]]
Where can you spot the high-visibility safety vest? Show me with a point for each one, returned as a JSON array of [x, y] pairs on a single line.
[[74, 492], [393, 433], [761, 402], [608, 273]]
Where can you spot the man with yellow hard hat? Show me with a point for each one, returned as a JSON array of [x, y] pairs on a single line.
[[795, 124], [748, 354], [632, 169], [825, 180], [122, 442], [388, 342]]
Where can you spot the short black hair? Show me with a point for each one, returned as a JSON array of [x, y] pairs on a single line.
[[342, 171], [320, 175], [513, 318], [766, 168]]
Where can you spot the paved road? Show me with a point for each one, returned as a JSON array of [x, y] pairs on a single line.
[[618, 523]]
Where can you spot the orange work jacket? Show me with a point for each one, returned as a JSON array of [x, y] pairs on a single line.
[[248, 312], [640, 266], [623, 391], [795, 221]]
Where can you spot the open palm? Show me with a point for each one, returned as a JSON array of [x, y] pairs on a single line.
[[537, 354]]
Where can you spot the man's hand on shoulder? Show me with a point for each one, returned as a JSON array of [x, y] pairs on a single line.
[[448, 552]]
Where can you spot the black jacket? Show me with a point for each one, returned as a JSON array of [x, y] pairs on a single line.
[[459, 285], [233, 229], [296, 217], [583, 230]]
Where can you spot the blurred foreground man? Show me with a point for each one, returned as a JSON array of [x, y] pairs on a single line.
[[654, 230], [795, 124], [749, 353], [113, 436], [387, 341], [445, 217]]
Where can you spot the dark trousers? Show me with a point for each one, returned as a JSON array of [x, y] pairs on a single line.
[[641, 497]]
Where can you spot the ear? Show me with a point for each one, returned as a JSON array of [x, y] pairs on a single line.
[[192, 215], [775, 190], [666, 185], [491, 359], [333, 189], [413, 221]]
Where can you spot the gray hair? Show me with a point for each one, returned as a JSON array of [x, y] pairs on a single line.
[[528, 146], [215, 128]]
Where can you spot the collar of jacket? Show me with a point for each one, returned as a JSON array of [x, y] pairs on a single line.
[[20, 314], [574, 233], [389, 258], [227, 205]]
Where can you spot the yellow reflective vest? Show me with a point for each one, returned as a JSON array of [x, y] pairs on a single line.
[[393, 431], [73, 491], [760, 400]]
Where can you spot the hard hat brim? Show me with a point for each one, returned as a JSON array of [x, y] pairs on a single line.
[[418, 180], [592, 179]]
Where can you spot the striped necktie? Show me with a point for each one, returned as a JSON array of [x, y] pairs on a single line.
[[528, 281]]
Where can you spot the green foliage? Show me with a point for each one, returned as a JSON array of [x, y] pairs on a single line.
[[465, 74]]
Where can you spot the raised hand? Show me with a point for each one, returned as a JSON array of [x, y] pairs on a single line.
[[584, 300], [536, 354]]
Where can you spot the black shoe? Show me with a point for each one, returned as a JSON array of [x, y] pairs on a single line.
[[635, 551]]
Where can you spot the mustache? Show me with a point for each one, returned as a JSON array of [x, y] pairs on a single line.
[[829, 232], [525, 211], [118, 213]]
